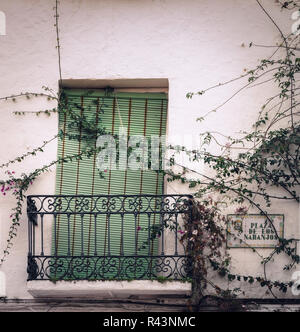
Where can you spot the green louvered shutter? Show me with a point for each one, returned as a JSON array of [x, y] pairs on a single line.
[[142, 114]]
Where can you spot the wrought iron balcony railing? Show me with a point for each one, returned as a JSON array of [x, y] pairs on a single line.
[[100, 237]]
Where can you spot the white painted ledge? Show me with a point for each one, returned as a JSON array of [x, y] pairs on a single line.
[[107, 289]]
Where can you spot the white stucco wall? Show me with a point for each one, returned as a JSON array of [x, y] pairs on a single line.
[[192, 43]]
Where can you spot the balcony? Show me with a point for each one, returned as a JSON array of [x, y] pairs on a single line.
[[107, 238]]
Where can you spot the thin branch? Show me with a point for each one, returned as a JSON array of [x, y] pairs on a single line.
[[58, 40]]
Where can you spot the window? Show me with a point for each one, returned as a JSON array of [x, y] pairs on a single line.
[[74, 235]]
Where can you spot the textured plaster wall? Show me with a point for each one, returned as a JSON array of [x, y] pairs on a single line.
[[193, 43]]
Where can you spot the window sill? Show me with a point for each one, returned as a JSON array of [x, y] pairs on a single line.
[[107, 289]]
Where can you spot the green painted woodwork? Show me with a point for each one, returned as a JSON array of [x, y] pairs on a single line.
[[141, 114]]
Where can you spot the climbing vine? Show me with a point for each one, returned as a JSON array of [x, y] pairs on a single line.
[[18, 185], [252, 171]]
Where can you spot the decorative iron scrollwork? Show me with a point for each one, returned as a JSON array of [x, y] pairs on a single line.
[[131, 263]]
